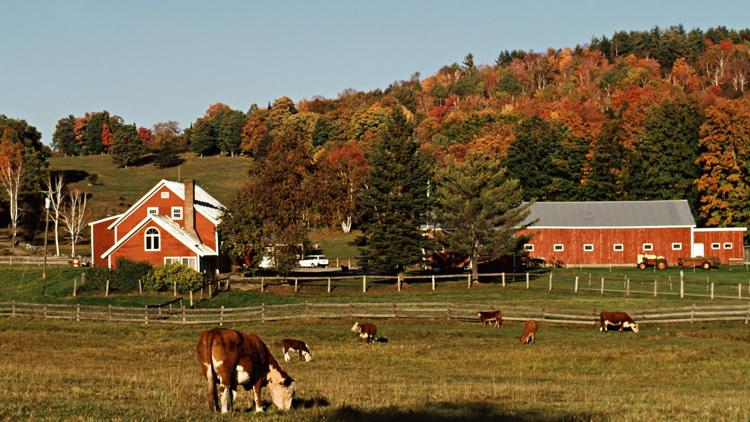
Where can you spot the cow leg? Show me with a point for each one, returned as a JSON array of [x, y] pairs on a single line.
[[286, 356], [300, 355], [213, 404], [256, 395], [226, 382], [225, 398]]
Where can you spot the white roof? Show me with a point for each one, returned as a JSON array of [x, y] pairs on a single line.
[[204, 203], [172, 228]]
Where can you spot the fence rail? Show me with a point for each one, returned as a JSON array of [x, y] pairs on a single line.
[[376, 310], [33, 260]]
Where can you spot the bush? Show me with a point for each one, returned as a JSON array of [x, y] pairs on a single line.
[[163, 278], [96, 279], [125, 277]]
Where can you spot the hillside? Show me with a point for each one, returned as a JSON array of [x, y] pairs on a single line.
[[117, 188]]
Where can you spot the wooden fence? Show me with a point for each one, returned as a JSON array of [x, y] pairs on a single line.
[[357, 310], [33, 260]]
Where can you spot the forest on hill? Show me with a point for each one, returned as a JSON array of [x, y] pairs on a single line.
[[638, 115]]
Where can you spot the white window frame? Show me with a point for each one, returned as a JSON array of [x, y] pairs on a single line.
[[175, 217], [147, 235], [590, 247], [647, 247], [615, 247], [152, 211], [528, 247], [730, 244], [715, 246], [676, 246], [558, 247], [165, 195], [188, 261]]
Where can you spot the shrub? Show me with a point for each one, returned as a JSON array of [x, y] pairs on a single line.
[[96, 279], [163, 278], [125, 277]]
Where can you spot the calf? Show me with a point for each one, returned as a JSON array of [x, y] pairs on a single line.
[[366, 331], [490, 317], [298, 346], [620, 319], [529, 331], [229, 358]]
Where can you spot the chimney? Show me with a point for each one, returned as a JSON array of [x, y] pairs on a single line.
[[189, 208]]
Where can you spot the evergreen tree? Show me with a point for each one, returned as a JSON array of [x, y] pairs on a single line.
[[127, 148], [481, 207], [529, 158], [395, 202], [64, 139], [608, 165], [230, 125], [92, 135], [203, 138]]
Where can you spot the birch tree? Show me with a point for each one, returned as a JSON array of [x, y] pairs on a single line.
[[56, 196], [74, 215], [11, 170]]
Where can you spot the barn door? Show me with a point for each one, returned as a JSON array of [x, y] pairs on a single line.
[[698, 249]]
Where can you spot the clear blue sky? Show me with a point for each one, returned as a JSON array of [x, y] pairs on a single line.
[[150, 61]]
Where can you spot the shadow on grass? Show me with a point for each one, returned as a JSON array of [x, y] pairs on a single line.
[[450, 412]]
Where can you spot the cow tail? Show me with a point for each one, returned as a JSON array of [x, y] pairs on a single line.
[[210, 374]]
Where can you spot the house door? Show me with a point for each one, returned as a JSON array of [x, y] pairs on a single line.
[[698, 249]]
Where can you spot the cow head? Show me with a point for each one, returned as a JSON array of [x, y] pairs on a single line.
[[282, 392], [633, 326], [356, 328], [307, 355]]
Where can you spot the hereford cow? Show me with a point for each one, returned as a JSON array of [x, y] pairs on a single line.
[[292, 346], [366, 331], [620, 319], [491, 317], [230, 358], [529, 331]]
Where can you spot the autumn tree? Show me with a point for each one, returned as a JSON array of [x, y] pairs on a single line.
[[395, 201], [127, 148], [482, 208], [167, 142], [339, 178], [64, 139]]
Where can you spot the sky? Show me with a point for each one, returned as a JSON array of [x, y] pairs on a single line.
[[150, 61]]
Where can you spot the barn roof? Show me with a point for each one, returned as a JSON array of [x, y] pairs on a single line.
[[611, 214]]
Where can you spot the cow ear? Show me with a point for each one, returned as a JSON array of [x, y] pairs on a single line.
[[287, 381]]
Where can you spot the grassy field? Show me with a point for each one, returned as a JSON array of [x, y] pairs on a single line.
[[427, 371]]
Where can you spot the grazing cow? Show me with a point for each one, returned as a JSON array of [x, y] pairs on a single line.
[[529, 333], [367, 331], [490, 317], [230, 358], [616, 319], [298, 346]]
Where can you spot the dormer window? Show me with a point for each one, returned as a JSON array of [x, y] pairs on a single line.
[[176, 213], [152, 240], [152, 210]]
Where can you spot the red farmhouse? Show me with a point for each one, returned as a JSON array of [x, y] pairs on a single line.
[[616, 232], [173, 222]]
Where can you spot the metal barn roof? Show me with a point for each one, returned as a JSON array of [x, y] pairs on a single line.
[[668, 213]]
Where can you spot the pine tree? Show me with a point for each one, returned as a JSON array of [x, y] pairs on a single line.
[[127, 148], [395, 202], [608, 165], [203, 137], [481, 207]]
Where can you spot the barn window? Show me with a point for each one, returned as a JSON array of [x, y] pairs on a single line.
[[165, 195], [716, 246], [529, 247], [618, 247], [648, 246], [677, 246], [152, 210], [588, 247], [558, 247], [176, 213], [728, 245], [152, 239]]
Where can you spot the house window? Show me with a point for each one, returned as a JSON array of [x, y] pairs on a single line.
[[716, 246], [529, 247], [618, 247], [165, 195], [188, 261], [558, 247], [588, 247], [648, 246], [176, 213], [728, 246], [152, 210], [152, 240], [677, 246]]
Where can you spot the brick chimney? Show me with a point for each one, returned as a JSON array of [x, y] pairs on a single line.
[[189, 208]]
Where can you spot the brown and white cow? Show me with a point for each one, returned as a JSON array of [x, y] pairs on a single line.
[[620, 319], [494, 318], [291, 346], [367, 331], [230, 358], [529, 333]]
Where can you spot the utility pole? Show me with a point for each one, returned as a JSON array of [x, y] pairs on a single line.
[[46, 226]]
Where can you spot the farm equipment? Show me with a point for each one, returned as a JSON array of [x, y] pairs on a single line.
[[705, 262], [649, 261]]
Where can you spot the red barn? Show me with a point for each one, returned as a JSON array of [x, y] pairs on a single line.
[[173, 222], [616, 232]]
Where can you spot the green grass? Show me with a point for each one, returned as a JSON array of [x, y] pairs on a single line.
[[427, 371]]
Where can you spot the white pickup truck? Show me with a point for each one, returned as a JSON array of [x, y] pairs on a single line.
[[310, 261]]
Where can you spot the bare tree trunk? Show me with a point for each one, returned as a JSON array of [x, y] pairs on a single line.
[[346, 225], [475, 267], [55, 195], [74, 216], [10, 180]]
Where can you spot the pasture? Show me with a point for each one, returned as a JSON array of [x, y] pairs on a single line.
[[427, 371]]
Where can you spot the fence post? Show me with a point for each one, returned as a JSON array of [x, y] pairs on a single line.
[[210, 291], [13, 312], [692, 315], [682, 287], [145, 314], [550, 281], [575, 289], [307, 311], [739, 291], [503, 275], [601, 292], [44, 311], [78, 312], [398, 282], [140, 287], [712, 290], [106, 291], [670, 283], [110, 311], [589, 279], [364, 284], [296, 285], [191, 299], [449, 312], [263, 313], [747, 317], [221, 316], [655, 284], [395, 311], [468, 280], [329, 284], [174, 290], [433, 282], [262, 284], [183, 312], [527, 281], [627, 287], [75, 286]]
